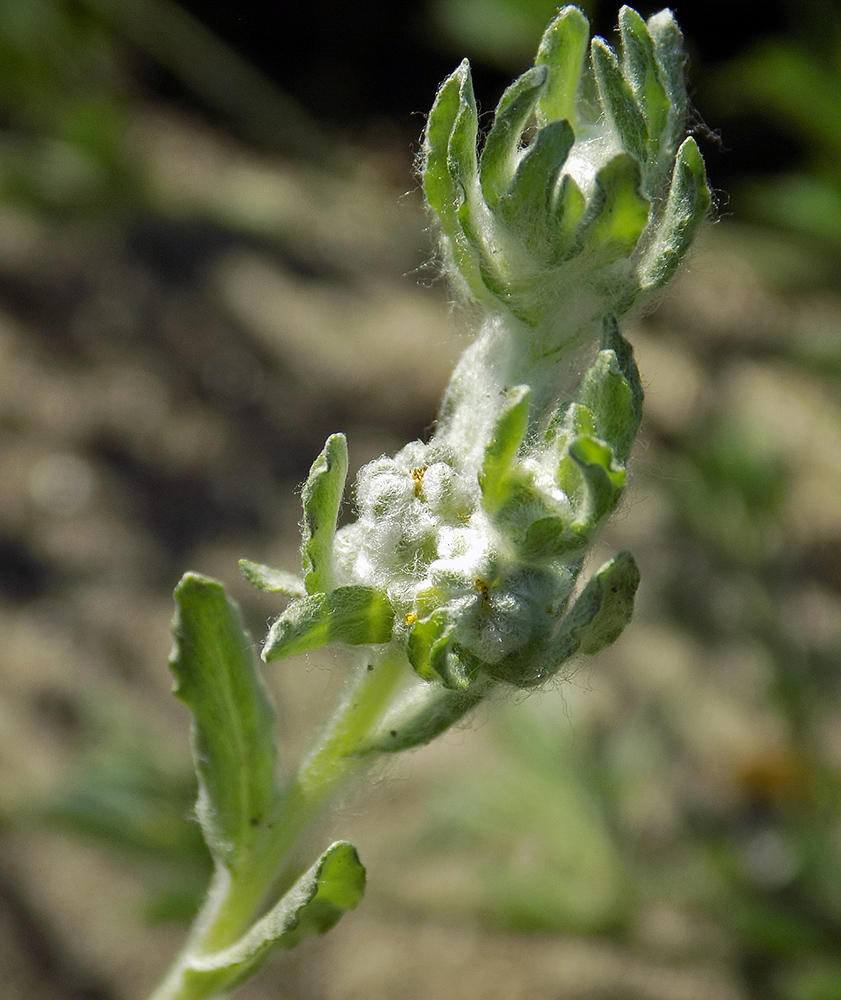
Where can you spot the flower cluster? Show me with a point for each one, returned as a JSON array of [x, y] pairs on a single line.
[[467, 549]]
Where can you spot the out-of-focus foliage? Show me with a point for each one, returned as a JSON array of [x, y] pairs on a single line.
[[500, 32], [63, 96], [793, 82]]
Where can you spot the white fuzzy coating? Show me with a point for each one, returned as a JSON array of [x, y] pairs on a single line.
[[423, 537]]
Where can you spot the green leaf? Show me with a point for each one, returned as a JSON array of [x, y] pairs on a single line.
[[450, 172], [639, 67], [233, 739], [421, 714], [273, 581], [671, 58], [315, 904], [427, 644], [562, 50], [322, 498], [603, 609], [612, 391], [461, 146], [617, 212], [550, 538], [604, 480], [618, 100], [501, 452], [528, 204], [686, 208], [566, 214], [357, 616], [438, 182], [499, 156]]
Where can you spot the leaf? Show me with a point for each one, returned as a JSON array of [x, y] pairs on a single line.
[[421, 714], [604, 480], [618, 100], [562, 50], [612, 391], [437, 180], [233, 740], [671, 58], [428, 639], [501, 452], [527, 205], [315, 904], [273, 581], [686, 208], [499, 156], [603, 609], [358, 616], [617, 212], [322, 498], [639, 67], [566, 214], [549, 538]]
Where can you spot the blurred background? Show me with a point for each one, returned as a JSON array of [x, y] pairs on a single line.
[[213, 253]]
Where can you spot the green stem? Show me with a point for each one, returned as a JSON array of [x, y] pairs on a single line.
[[236, 898]]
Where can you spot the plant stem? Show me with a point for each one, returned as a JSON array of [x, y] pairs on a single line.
[[236, 898]]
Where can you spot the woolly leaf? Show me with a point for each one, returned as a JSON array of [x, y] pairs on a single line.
[[499, 155], [501, 452], [602, 611], [618, 210], [686, 208], [612, 391], [419, 716], [461, 147], [566, 215], [357, 616], [273, 581], [604, 480], [527, 205], [639, 67], [314, 904], [427, 643], [438, 182], [668, 49], [233, 742], [322, 498], [618, 100], [562, 50], [549, 538]]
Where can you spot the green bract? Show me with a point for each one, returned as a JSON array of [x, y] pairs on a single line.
[[461, 572]]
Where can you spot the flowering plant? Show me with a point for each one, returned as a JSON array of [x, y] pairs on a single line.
[[461, 572]]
